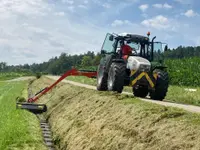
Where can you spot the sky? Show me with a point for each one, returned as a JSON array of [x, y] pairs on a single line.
[[33, 31]]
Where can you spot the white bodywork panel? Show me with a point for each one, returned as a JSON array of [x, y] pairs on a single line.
[[138, 63]]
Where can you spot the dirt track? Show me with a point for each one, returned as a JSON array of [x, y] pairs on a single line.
[[20, 79], [189, 108]]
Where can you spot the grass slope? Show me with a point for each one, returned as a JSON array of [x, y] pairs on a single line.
[[19, 129], [175, 93], [87, 119]]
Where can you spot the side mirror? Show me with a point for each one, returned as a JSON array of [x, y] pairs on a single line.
[[103, 52], [111, 38], [166, 48]]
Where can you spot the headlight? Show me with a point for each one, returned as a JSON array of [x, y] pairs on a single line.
[[145, 68]]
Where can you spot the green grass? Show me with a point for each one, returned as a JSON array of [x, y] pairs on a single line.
[[184, 72], [176, 94], [180, 95], [82, 79], [12, 75], [19, 129]]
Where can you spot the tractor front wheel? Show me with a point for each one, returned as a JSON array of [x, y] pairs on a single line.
[[141, 91], [161, 86], [116, 77]]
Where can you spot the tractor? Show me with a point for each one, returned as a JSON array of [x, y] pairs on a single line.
[[143, 70]]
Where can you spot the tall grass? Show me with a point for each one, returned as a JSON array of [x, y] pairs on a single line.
[[184, 72]]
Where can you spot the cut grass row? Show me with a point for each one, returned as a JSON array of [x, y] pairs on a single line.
[[176, 94], [19, 129]]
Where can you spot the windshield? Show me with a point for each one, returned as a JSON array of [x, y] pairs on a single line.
[[158, 51], [136, 47]]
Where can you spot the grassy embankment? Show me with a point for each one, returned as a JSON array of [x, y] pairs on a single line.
[[19, 129], [87, 119]]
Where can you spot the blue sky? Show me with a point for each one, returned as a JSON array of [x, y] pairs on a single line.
[[37, 30]]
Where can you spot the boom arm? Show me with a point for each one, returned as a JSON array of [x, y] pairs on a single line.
[[72, 72]]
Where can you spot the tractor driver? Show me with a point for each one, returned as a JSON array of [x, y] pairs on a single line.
[[126, 50]]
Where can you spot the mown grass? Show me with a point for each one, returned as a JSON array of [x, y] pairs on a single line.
[[176, 94], [19, 129]]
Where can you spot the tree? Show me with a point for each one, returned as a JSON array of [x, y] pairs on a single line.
[[86, 61]]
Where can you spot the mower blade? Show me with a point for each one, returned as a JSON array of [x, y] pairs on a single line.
[[34, 108]]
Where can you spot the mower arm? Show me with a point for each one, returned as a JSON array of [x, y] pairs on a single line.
[[72, 72]]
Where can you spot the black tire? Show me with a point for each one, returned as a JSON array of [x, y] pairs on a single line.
[[116, 76], [161, 87], [101, 80], [141, 91]]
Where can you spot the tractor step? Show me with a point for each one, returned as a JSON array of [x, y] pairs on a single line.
[[34, 108]]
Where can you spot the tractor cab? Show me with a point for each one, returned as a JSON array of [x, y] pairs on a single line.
[[140, 45], [129, 60]]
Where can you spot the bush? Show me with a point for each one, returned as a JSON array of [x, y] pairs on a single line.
[[38, 75]]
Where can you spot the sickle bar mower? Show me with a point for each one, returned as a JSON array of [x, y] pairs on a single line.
[[40, 108]]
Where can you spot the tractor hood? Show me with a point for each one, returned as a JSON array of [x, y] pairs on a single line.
[[138, 64]]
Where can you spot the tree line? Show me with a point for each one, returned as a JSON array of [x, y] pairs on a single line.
[[89, 60], [56, 65]]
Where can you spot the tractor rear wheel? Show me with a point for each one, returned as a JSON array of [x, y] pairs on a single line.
[[116, 76], [101, 80], [161, 86], [141, 91]]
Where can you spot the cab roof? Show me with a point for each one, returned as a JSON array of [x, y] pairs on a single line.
[[132, 37]]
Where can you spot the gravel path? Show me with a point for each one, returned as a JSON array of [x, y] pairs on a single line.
[[20, 79]]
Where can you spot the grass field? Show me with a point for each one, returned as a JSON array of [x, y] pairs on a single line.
[[11, 75], [175, 93], [19, 129]]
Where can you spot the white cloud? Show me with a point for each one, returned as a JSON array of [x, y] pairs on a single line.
[[25, 7], [158, 22], [71, 8], [85, 1], [106, 5], [59, 13], [186, 2], [166, 6], [190, 13], [82, 6], [28, 34], [68, 1], [157, 5], [120, 23], [144, 15], [144, 7]]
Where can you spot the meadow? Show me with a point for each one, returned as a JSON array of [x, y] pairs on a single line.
[[19, 129]]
